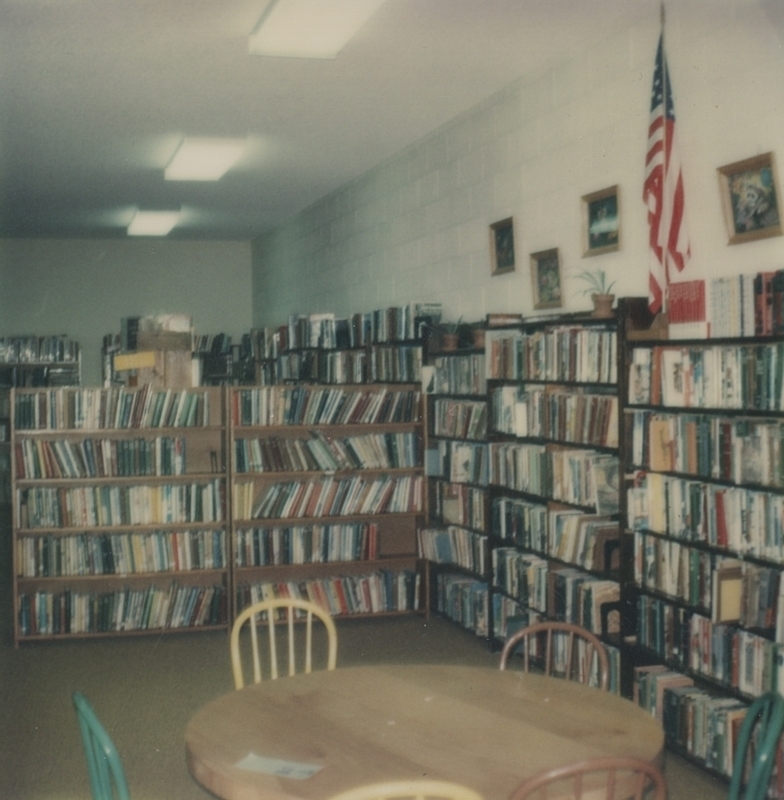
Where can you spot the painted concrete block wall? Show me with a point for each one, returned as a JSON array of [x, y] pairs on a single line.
[[416, 226], [84, 287]]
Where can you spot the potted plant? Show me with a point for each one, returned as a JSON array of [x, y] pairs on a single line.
[[478, 335], [449, 334], [599, 289]]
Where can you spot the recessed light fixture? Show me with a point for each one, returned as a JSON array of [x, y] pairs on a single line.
[[309, 28], [153, 223], [203, 159]]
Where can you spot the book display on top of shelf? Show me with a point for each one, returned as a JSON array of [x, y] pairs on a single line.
[[702, 504], [327, 491], [40, 361], [381, 346], [119, 520]]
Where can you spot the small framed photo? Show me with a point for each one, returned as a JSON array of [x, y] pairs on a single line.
[[502, 254], [546, 277], [749, 198], [601, 222]]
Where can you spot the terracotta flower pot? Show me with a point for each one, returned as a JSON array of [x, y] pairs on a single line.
[[449, 341], [602, 305]]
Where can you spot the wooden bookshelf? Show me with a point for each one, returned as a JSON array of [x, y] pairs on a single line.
[[328, 493], [119, 522]]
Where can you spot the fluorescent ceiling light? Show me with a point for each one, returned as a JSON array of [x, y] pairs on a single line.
[[153, 223], [309, 28], [203, 159]]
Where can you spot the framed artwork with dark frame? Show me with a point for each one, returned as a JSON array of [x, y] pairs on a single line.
[[601, 222], [502, 254], [749, 199], [547, 280]]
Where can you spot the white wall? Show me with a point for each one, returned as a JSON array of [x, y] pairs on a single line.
[[416, 227], [84, 287]]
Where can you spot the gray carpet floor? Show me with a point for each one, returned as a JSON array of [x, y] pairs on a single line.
[[145, 689]]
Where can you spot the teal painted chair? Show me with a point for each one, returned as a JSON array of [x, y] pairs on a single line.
[[107, 777], [766, 714]]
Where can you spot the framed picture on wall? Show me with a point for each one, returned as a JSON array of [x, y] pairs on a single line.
[[749, 198], [601, 222], [546, 277], [502, 254]]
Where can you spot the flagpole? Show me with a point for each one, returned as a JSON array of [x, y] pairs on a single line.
[[665, 95]]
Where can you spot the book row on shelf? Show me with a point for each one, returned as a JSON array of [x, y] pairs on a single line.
[[305, 405], [330, 496], [150, 608], [112, 505], [460, 419], [321, 453], [114, 408], [747, 376], [36, 349], [382, 364], [570, 353], [379, 592], [99, 458], [747, 522], [555, 414], [307, 544], [736, 660], [747, 305], [459, 504], [741, 450], [128, 553], [578, 476], [699, 724], [725, 589]]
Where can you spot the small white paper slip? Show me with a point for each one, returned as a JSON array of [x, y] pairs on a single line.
[[277, 766]]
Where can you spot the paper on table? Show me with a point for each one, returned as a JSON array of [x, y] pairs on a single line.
[[276, 766]]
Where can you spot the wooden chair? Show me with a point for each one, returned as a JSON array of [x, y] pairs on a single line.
[[272, 608], [107, 777], [755, 761], [559, 641], [414, 789], [611, 778]]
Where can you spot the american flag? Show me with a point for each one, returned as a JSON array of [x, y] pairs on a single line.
[[663, 188]]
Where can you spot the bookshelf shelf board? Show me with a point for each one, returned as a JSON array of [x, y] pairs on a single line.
[[183, 576], [240, 431], [261, 522], [276, 572], [338, 473], [139, 432], [100, 529], [120, 480], [442, 437], [55, 637]]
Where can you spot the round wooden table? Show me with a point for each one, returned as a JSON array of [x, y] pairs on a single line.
[[476, 726]]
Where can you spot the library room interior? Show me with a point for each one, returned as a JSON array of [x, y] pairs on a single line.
[[391, 399]]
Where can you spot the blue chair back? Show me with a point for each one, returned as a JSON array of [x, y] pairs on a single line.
[[766, 712], [107, 777]]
